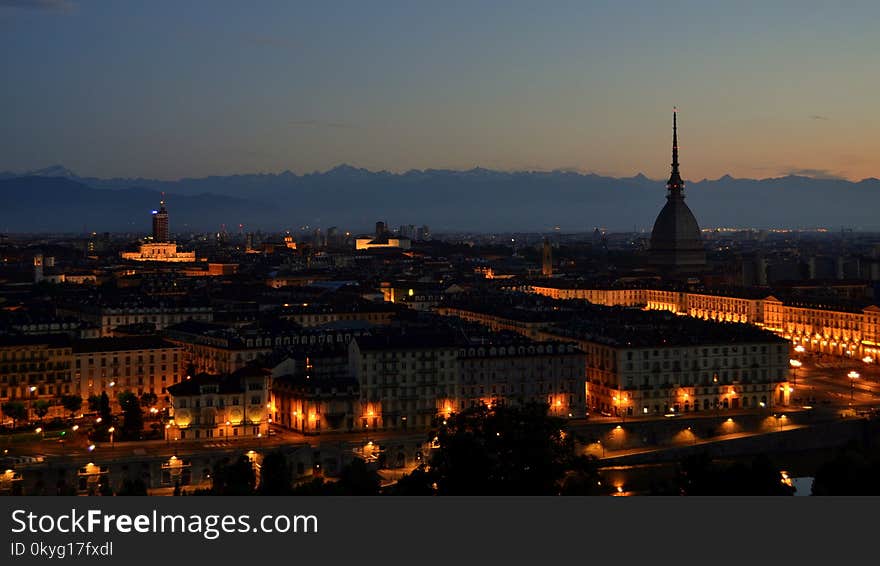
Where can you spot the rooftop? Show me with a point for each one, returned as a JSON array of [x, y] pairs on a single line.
[[119, 344]]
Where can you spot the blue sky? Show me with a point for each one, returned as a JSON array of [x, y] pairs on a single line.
[[190, 88]]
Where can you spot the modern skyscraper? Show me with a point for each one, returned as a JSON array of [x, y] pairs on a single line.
[[676, 243], [160, 222]]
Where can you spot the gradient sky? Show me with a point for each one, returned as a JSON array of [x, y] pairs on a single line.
[[168, 89]]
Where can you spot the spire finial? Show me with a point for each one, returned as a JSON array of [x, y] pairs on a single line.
[[674, 138], [675, 184]]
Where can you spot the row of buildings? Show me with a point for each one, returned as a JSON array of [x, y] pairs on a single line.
[[832, 326], [47, 367], [649, 363], [391, 379]]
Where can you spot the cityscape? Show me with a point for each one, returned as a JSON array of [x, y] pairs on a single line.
[[507, 330]]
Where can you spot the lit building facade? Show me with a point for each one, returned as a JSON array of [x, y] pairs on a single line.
[[664, 379], [36, 368], [543, 372], [161, 249], [642, 363], [163, 252], [407, 381], [404, 381], [221, 407], [140, 364], [835, 328]]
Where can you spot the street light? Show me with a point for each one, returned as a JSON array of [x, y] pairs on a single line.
[[799, 349], [853, 376], [868, 359], [32, 389], [111, 430], [796, 365]]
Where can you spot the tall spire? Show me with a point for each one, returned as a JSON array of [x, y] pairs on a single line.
[[675, 184]]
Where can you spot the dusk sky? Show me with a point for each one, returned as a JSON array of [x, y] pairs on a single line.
[[167, 89]]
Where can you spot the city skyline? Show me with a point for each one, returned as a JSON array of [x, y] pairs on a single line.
[[211, 89]]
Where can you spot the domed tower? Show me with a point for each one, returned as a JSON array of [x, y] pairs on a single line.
[[676, 243]]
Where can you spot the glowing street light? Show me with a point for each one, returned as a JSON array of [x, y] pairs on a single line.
[[868, 360], [853, 376], [795, 366], [799, 349]]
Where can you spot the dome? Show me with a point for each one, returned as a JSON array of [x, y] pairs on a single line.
[[676, 242], [676, 228]]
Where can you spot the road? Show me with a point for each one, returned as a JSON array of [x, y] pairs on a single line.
[[825, 381], [78, 446]]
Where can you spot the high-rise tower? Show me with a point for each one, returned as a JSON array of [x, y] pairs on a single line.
[[547, 259], [160, 222], [676, 243]]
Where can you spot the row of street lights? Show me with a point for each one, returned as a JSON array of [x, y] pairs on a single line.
[[852, 375]]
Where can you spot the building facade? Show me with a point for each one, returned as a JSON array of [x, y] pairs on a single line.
[[36, 368], [140, 364], [834, 327], [221, 407]]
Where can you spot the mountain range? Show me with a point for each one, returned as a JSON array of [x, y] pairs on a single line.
[[478, 200]]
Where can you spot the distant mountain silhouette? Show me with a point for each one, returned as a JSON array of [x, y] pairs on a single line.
[[472, 200], [58, 204]]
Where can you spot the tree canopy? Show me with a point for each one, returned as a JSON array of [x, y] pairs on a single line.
[[519, 450]]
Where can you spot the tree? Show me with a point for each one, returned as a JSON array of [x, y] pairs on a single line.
[[15, 410], [41, 408], [104, 409], [72, 403], [275, 474], [502, 451], [317, 486], [357, 478], [102, 405], [148, 399], [132, 416], [234, 478], [852, 471], [104, 488], [94, 403], [417, 482], [132, 487], [700, 475], [583, 478]]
